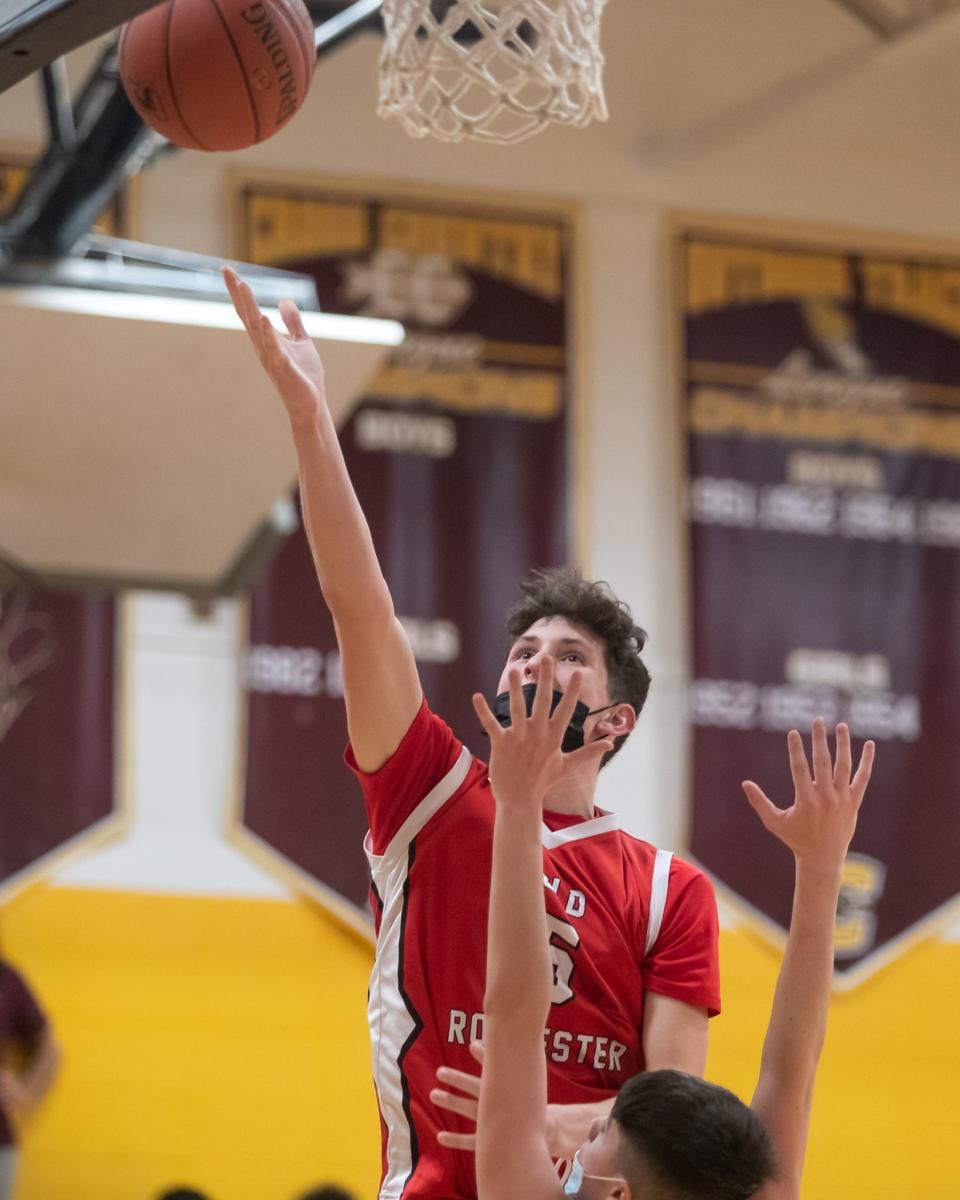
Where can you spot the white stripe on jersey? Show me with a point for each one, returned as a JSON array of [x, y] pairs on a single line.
[[390, 1022], [658, 897], [552, 838], [432, 802]]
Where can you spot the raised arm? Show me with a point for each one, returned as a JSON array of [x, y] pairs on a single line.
[[817, 828], [381, 684], [674, 1035], [512, 1149]]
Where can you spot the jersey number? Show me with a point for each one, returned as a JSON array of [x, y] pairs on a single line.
[[563, 964]]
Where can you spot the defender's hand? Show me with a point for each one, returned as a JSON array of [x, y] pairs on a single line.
[[525, 758], [819, 824], [467, 1105], [292, 362]]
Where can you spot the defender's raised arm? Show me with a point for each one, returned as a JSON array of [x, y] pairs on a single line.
[[817, 827], [380, 676], [692, 1137], [525, 760]]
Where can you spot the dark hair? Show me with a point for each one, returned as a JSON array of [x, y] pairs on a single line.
[[692, 1139], [328, 1191], [183, 1193], [563, 592]]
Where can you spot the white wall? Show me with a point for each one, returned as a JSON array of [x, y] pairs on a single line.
[[182, 715]]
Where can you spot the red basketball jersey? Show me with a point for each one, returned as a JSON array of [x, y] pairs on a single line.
[[624, 919]]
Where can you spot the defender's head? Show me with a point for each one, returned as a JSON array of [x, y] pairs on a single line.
[[673, 1136], [584, 627]]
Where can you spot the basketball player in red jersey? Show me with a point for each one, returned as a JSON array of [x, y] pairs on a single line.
[[632, 931], [671, 1136]]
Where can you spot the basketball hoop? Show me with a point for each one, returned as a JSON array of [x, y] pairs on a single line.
[[492, 70]]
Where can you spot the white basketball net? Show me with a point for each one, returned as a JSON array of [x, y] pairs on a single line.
[[492, 70]]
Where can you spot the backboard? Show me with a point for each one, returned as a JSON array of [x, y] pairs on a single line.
[[35, 32]]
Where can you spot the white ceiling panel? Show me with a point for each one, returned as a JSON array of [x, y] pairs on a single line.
[[143, 450], [673, 68]]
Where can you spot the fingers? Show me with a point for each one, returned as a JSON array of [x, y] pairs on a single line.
[[270, 345], [457, 1141], [460, 1105], [464, 1106], [235, 290], [460, 1080], [231, 279], [859, 784], [765, 809], [489, 722], [242, 298], [564, 710], [518, 710], [267, 341], [293, 321], [822, 766], [476, 1049], [841, 770], [264, 337], [544, 694], [799, 771]]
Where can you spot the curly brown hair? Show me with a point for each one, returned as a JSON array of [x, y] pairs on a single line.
[[563, 592]]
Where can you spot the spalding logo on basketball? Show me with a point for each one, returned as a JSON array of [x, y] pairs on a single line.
[[218, 74], [146, 99]]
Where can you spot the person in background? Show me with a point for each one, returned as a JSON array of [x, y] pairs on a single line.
[[327, 1191], [29, 1062]]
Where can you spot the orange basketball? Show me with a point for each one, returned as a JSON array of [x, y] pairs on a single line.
[[218, 74]]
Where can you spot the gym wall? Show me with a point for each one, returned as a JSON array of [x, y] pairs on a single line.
[[213, 1024]]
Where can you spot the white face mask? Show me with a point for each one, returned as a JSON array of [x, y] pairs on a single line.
[[578, 1175]]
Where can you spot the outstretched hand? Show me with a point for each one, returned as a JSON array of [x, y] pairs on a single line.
[[292, 362], [819, 825], [526, 758], [464, 1105], [459, 1092]]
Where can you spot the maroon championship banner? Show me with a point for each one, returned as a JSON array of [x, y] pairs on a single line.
[[822, 409], [459, 456], [57, 722]]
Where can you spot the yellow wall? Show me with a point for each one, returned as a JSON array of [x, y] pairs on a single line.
[[216, 1042], [223, 1043], [885, 1118]]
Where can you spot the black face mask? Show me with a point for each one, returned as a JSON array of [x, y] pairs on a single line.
[[573, 736]]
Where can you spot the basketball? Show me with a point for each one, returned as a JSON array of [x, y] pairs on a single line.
[[218, 74]]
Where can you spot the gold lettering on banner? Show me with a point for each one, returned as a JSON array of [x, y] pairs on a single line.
[[924, 292], [13, 175], [280, 228], [720, 275], [534, 394], [718, 411], [520, 252], [12, 178], [861, 887]]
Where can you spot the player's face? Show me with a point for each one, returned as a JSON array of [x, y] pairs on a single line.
[[572, 648], [598, 1159]]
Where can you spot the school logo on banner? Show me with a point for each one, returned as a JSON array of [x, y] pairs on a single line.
[[458, 454], [822, 410]]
